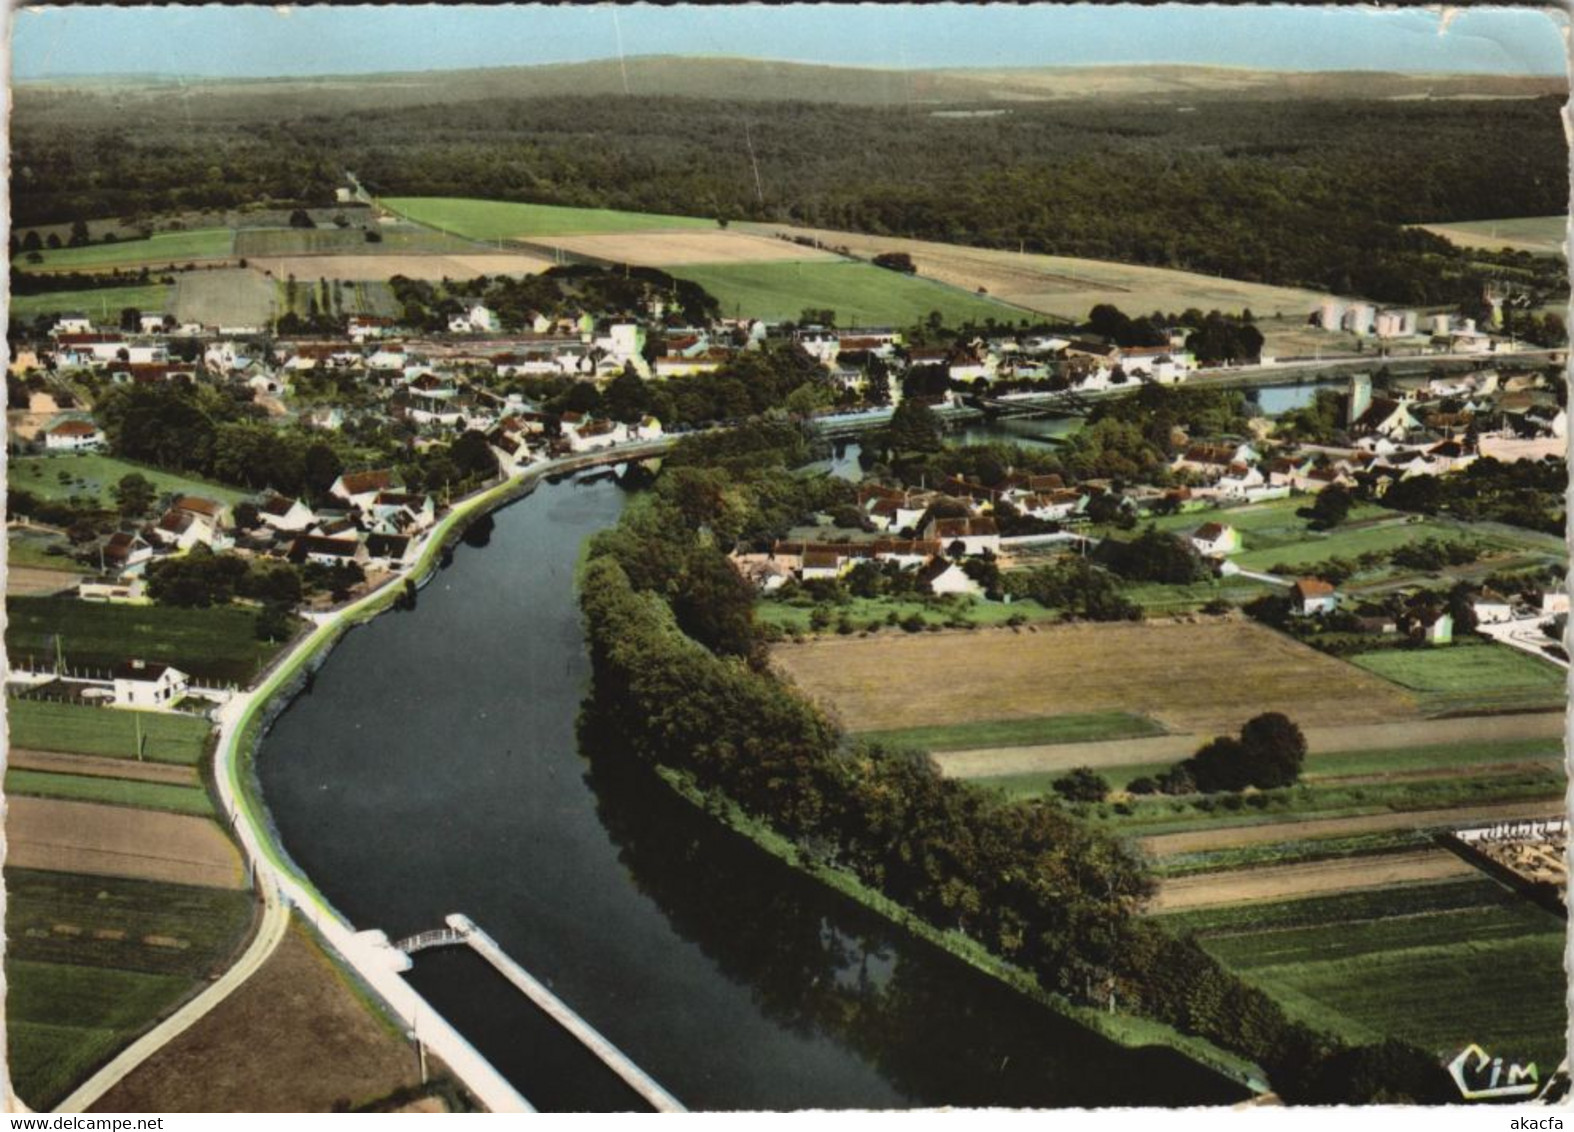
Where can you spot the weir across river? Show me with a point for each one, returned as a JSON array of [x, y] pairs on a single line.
[[463, 932]]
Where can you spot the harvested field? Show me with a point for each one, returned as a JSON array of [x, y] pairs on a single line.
[[382, 267], [32, 581], [96, 766], [1206, 678], [1229, 837], [1541, 235], [84, 837], [293, 1038], [1284, 882], [1063, 286], [661, 249], [1356, 740], [230, 297]]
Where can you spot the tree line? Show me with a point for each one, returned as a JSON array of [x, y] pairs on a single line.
[[678, 672]]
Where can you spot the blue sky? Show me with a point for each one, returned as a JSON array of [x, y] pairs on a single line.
[[219, 41]]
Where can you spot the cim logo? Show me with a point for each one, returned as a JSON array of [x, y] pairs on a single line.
[[1484, 1078]]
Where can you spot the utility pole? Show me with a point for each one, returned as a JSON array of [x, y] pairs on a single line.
[[137, 719]]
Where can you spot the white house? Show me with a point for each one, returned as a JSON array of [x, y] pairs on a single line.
[[126, 554], [360, 488], [74, 436], [1215, 540], [72, 324], [151, 323], [477, 320], [284, 514], [1491, 608], [975, 534], [143, 684], [1313, 595], [943, 577]]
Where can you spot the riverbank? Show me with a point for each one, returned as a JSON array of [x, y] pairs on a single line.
[[1125, 1030], [279, 881]]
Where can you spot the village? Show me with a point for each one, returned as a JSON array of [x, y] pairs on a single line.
[[367, 527], [189, 502]]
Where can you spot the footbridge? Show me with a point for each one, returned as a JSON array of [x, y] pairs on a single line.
[[461, 931]]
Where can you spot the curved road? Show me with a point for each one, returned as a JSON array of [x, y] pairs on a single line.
[[279, 887]]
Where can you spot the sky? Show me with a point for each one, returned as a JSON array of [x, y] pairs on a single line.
[[259, 41]]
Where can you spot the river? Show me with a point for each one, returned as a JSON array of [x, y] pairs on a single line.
[[434, 767]]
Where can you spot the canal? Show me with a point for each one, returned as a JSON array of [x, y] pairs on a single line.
[[434, 767]]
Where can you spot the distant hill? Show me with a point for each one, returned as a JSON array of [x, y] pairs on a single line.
[[766, 80]]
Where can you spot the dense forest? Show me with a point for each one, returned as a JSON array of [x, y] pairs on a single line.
[[1311, 193]]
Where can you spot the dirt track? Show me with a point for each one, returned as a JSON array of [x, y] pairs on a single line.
[[1228, 837], [994, 761], [292, 1038], [96, 766], [1285, 882], [82, 837]]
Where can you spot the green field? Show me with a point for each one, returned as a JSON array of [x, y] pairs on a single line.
[[1464, 668], [1319, 768], [228, 297], [1022, 732], [1543, 235], [344, 241], [103, 305], [161, 250], [1490, 974], [63, 1020], [31, 548], [111, 791], [167, 737], [92, 477], [208, 644], [1157, 597], [116, 916], [1264, 551], [499, 220], [859, 293]]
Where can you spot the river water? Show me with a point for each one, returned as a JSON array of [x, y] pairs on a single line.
[[434, 768]]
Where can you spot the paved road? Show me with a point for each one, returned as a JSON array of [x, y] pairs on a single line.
[[1525, 634], [992, 762]]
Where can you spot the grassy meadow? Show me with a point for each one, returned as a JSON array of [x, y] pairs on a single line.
[[111, 791], [502, 220], [92, 477], [111, 732], [208, 644], [1084, 728], [160, 250], [102, 305], [859, 293]]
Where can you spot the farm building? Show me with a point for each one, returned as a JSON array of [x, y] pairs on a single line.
[[140, 684], [73, 436], [1312, 596]]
